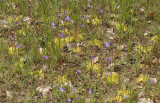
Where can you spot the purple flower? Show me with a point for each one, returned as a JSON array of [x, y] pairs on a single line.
[[62, 35], [67, 18], [120, 11], [45, 57], [107, 74], [150, 82], [66, 12], [83, 17], [10, 36], [78, 71], [107, 44], [68, 100], [90, 91], [18, 45], [82, 25], [62, 90], [109, 59], [22, 46], [101, 10], [54, 25], [14, 34], [92, 58]]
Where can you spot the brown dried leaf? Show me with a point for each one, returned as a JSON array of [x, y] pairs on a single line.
[[95, 60]]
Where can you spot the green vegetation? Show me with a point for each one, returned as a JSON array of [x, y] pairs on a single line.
[[79, 51]]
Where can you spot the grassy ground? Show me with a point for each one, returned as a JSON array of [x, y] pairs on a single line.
[[80, 51]]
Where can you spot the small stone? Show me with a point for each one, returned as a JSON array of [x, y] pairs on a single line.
[[3, 22], [155, 60], [110, 30], [153, 80], [145, 34], [26, 18], [8, 94], [120, 47], [142, 100], [67, 47], [141, 94], [141, 10], [44, 90], [149, 101], [126, 80]]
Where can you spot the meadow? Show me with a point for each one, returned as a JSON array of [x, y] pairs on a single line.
[[79, 51]]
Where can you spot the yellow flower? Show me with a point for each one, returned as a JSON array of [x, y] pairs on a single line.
[[131, 11]]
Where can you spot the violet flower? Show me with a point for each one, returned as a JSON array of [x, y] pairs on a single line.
[[67, 18], [62, 35], [90, 91], [62, 90], [18, 45], [53, 25]]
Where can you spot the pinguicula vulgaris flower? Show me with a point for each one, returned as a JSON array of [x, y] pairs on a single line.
[[107, 44], [101, 10], [54, 25], [109, 59], [46, 57], [68, 100], [90, 91], [92, 58], [66, 12], [82, 25], [83, 17], [62, 90], [78, 72], [62, 35], [67, 18], [107, 74], [18, 45], [22, 46], [10, 36]]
